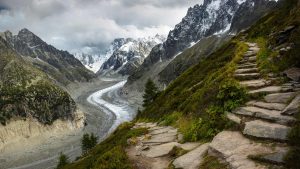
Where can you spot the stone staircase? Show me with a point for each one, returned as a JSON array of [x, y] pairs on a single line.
[[264, 122], [260, 144]]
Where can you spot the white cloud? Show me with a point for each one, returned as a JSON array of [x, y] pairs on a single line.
[[75, 24]]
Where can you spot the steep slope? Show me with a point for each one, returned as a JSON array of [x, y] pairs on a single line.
[[28, 93], [213, 17], [128, 54], [60, 65], [198, 103]]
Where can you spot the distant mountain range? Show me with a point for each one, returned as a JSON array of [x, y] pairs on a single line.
[[123, 56]]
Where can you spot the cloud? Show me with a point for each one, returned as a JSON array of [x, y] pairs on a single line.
[[78, 24]]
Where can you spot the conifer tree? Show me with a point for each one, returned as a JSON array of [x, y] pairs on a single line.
[[88, 142], [150, 93], [63, 160]]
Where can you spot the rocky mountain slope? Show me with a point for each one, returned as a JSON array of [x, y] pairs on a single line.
[[27, 92], [60, 65], [213, 17], [123, 56], [129, 54], [242, 101]]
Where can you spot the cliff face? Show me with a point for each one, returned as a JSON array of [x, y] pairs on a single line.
[[28, 92]]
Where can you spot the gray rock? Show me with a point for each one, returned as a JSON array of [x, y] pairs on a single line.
[[266, 130], [160, 150], [233, 118], [249, 70], [247, 76], [234, 148], [279, 97], [162, 138], [269, 106], [247, 66], [277, 157], [270, 89], [255, 83], [293, 74], [192, 159], [293, 107]]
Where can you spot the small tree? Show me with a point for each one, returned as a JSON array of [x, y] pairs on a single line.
[[63, 160], [88, 142], [150, 92]]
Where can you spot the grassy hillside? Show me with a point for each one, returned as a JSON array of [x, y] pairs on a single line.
[[197, 100], [27, 92]]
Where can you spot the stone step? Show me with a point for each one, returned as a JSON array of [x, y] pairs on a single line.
[[254, 49], [252, 44], [249, 70], [234, 118], [250, 54], [266, 130], [279, 97], [276, 158], [265, 114], [254, 84], [247, 66], [269, 106], [248, 60], [192, 159], [247, 76], [235, 149], [267, 90]]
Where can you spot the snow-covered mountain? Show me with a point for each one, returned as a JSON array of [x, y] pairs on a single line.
[[130, 55], [123, 55], [212, 17]]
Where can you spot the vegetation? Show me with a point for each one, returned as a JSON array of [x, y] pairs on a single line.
[[110, 153], [293, 158], [150, 93], [211, 162], [88, 141], [62, 161], [26, 91], [197, 101]]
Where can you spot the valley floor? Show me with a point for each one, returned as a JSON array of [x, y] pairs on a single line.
[[98, 100]]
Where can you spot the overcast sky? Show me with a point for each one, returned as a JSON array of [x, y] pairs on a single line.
[[75, 24]]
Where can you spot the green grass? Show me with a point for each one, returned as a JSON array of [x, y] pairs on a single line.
[[196, 101], [110, 153]]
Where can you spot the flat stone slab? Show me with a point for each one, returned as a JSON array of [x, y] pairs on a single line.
[[234, 148], [270, 115], [247, 66], [254, 49], [163, 130], [233, 118], [252, 44], [249, 70], [277, 157], [247, 76], [269, 106], [255, 83], [160, 150], [162, 138], [293, 107], [192, 159], [270, 89], [266, 130], [279, 97]]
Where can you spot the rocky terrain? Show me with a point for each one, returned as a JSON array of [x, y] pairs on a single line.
[[264, 124], [61, 66], [213, 17], [129, 54]]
